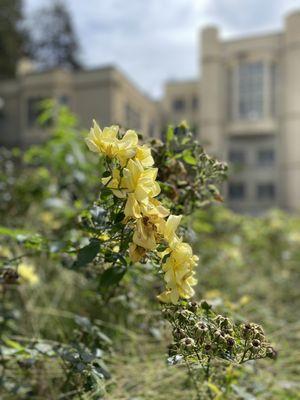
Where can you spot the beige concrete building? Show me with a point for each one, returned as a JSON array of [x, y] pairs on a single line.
[[105, 94], [249, 113], [181, 102]]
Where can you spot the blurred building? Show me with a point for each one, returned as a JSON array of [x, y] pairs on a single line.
[[249, 113], [245, 107], [181, 102], [104, 94]]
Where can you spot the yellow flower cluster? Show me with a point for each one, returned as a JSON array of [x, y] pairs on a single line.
[[134, 180]]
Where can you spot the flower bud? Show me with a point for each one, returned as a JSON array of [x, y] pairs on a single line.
[[207, 348], [255, 345], [271, 353], [230, 341], [193, 306], [187, 342], [201, 328], [178, 333]]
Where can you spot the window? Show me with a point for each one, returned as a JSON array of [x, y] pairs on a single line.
[[250, 90], [64, 100], [178, 105], [195, 103], [237, 157], [34, 109], [236, 191], [265, 157], [265, 191]]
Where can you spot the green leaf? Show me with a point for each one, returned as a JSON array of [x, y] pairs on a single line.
[[14, 345], [170, 134], [106, 174], [88, 253], [119, 217], [13, 233], [205, 305], [112, 276], [161, 247], [218, 393], [189, 158]]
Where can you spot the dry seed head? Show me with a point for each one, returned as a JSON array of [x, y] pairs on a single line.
[[187, 342], [230, 341]]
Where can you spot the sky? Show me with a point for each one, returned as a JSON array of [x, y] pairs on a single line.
[[153, 41]]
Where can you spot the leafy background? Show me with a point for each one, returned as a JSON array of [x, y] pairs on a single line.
[[69, 329]]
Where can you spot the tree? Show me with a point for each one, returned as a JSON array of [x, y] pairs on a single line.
[[11, 36], [53, 39]]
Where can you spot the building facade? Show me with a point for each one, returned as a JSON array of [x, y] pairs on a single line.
[[249, 113], [181, 102], [104, 94]]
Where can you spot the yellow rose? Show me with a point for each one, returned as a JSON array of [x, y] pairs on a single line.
[[132, 207], [127, 146], [107, 142], [182, 289], [143, 155], [168, 229], [179, 274], [144, 234], [141, 186], [104, 141], [154, 209]]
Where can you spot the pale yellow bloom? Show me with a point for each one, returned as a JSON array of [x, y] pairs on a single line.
[[182, 289], [127, 146], [132, 207], [144, 234], [28, 274], [107, 142], [104, 141], [154, 209], [168, 229], [143, 155], [141, 185], [179, 274]]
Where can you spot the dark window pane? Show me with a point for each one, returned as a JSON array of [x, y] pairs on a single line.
[[178, 105], [236, 191], [265, 157], [237, 157], [251, 84], [64, 100], [265, 191], [195, 103]]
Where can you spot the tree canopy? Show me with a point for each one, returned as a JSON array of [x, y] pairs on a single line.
[[53, 40], [11, 36]]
